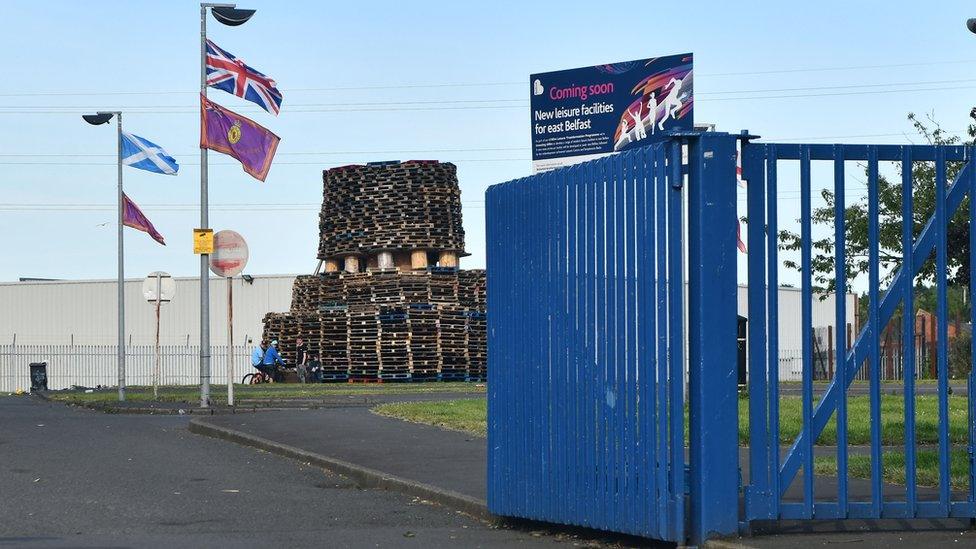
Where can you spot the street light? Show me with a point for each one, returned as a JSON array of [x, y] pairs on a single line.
[[229, 15], [97, 119], [971, 25]]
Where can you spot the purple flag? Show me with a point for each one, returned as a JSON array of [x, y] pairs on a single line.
[[225, 131], [133, 217]]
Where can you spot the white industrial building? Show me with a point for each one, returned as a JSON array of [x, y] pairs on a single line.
[[84, 312], [71, 325]]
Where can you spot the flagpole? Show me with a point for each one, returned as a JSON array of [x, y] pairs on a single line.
[[204, 223], [121, 281], [226, 14]]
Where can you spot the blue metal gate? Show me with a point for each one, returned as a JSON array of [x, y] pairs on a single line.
[[768, 493], [591, 335], [587, 339]]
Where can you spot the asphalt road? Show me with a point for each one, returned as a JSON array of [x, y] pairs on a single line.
[[76, 478]]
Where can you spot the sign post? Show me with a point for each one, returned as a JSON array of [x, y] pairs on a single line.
[[158, 288], [228, 258]]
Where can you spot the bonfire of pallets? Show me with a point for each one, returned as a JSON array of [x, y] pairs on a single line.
[[394, 322]]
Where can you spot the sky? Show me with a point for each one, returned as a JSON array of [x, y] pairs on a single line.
[[421, 80]]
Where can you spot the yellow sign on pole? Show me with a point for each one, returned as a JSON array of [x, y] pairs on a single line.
[[203, 241]]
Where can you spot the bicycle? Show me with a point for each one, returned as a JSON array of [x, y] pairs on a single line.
[[259, 377]]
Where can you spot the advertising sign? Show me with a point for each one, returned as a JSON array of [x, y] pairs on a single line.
[[586, 113]]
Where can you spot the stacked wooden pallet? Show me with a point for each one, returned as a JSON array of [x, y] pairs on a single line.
[[357, 289], [387, 324], [453, 344], [443, 284], [387, 206], [472, 290], [333, 346], [477, 345], [424, 324], [394, 344], [386, 287], [415, 286], [364, 357]]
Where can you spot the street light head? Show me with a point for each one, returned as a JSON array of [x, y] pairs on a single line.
[[98, 119], [231, 17], [971, 25]]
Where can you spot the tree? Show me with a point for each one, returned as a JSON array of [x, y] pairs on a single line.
[[890, 221]]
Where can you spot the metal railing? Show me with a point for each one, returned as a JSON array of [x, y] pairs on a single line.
[[95, 365]]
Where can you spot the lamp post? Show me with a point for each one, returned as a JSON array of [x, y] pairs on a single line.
[[97, 119], [229, 15]]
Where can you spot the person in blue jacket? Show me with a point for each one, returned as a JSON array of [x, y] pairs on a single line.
[[271, 361]]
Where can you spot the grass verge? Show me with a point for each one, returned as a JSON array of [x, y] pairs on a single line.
[[467, 415], [282, 391], [858, 415], [859, 420], [893, 469]]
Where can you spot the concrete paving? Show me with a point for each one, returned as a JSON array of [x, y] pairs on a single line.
[[72, 477], [456, 461], [448, 459]]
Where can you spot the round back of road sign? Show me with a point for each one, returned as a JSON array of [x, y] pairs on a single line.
[[165, 283], [230, 254]]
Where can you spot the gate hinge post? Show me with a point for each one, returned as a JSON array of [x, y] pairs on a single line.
[[712, 325]]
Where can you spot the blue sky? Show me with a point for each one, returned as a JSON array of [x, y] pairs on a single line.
[[393, 80]]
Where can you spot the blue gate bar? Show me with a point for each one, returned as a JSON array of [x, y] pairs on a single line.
[[840, 337], [661, 189], [600, 364], [644, 335], [549, 390], [889, 303], [587, 360], [969, 181], [942, 312], [806, 327], [908, 326], [874, 328], [920, 153], [628, 383], [567, 257], [588, 357], [772, 319], [621, 411], [758, 496], [676, 361]]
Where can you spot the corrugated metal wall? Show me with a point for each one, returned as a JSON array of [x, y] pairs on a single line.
[[789, 315], [790, 342], [84, 312]]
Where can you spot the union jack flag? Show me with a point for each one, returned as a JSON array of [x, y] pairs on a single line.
[[228, 73]]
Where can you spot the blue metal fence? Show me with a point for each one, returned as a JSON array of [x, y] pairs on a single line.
[[768, 491], [587, 341], [591, 336]]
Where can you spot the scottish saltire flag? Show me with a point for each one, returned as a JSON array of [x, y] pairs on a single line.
[[142, 153], [228, 73], [133, 217], [225, 131]]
